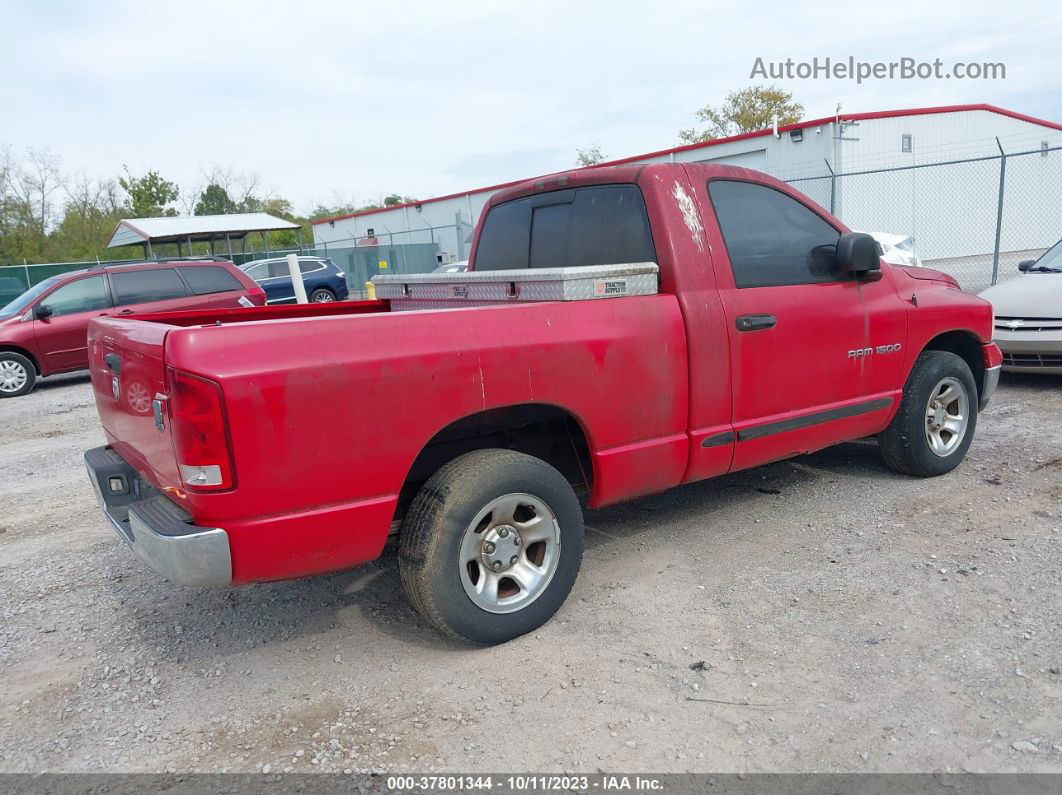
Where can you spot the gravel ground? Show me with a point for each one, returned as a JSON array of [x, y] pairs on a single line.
[[820, 614]]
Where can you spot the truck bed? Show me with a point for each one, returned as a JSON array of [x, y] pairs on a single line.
[[354, 397]]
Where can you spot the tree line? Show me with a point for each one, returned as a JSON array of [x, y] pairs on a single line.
[[48, 214]]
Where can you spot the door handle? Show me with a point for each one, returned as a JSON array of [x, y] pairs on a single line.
[[755, 322], [127, 312]]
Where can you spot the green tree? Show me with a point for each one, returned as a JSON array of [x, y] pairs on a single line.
[[215, 201], [91, 211], [747, 110], [149, 195], [590, 156]]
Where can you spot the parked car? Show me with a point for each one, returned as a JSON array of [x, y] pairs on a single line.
[[324, 280], [452, 267], [1028, 315], [45, 330], [897, 249], [771, 330]]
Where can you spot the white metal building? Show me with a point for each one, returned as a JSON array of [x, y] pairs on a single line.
[[897, 174]]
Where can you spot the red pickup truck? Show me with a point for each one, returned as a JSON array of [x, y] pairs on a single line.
[[288, 441]]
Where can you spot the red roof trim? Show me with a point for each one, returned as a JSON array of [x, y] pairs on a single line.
[[880, 114]]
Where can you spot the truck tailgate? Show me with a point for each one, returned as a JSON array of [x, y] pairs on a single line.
[[127, 363]]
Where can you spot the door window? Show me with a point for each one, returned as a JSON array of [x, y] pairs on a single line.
[[206, 279], [145, 286], [83, 295], [258, 272], [598, 225], [771, 238]]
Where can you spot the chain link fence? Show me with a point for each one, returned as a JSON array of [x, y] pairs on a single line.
[[974, 219]]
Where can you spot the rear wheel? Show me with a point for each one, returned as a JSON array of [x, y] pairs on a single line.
[[491, 546], [17, 374], [935, 424], [322, 296]]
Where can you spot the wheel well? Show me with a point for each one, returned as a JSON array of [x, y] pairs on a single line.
[[543, 431], [967, 346], [21, 352]]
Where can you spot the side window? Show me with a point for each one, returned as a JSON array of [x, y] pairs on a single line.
[[597, 225], [771, 238], [206, 279], [84, 295], [142, 287], [271, 269], [309, 266]]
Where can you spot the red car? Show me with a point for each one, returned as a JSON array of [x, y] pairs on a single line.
[[288, 441], [45, 330]]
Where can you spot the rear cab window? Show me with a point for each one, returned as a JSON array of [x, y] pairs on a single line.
[[145, 286], [207, 279], [595, 225]]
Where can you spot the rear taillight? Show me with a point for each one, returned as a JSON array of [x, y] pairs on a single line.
[[200, 431], [258, 296]]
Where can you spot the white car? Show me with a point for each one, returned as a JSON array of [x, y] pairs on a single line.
[[452, 267], [1028, 315], [897, 249]]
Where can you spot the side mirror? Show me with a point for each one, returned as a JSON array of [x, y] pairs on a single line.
[[1026, 265], [857, 255], [42, 311]]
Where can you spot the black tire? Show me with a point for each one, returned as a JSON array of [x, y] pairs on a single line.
[[17, 360], [322, 295], [905, 443], [430, 543]]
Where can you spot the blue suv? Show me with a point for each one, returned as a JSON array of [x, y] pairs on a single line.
[[324, 280]]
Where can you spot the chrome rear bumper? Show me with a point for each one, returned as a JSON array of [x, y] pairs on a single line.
[[157, 530]]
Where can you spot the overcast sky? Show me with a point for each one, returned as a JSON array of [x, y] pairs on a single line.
[[355, 100]]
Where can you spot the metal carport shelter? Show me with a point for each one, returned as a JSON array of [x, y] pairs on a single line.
[[196, 229]]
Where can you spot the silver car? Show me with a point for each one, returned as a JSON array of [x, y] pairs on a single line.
[[1028, 311]]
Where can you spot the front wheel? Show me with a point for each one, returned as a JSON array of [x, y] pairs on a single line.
[[17, 374], [934, 426], [491, 546]]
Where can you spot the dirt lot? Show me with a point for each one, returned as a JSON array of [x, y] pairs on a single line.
[[817, 614]]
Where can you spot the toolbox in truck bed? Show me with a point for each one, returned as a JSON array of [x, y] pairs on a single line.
[[424, 290]]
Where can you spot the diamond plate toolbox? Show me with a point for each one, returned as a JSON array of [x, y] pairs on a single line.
[[420, 290]]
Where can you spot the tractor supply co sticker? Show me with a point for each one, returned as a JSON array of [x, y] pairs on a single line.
[[459, 290], [383, 264], [607, 287]]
